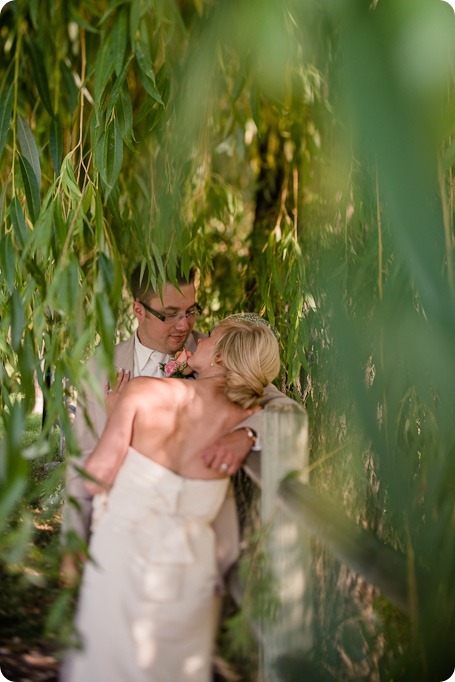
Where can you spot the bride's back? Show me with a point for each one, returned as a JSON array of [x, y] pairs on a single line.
[[175, 420]]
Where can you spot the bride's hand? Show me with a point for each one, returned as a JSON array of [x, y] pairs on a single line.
[[112, 394]]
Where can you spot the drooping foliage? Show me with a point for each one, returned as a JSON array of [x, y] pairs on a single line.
[[301, 155], [122, 126]]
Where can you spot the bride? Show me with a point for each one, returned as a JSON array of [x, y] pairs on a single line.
[[147, 607]]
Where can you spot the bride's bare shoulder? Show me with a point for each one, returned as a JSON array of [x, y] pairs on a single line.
[[151, 386]]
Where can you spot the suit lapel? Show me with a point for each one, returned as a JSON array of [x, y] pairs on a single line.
[[124, 355]]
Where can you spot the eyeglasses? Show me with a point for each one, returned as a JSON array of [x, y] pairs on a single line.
[[175, 317]]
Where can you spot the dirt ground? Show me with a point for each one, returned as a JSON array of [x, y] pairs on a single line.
[[19, 663]]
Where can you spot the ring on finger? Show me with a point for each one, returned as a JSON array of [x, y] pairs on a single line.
[[224, 467]]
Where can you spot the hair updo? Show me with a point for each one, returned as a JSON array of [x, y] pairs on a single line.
[[250, 353]]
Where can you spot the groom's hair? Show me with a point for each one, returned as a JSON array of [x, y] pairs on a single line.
[[250, 353], [143, 284]]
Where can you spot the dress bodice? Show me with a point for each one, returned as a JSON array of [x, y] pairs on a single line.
[[145, 485]]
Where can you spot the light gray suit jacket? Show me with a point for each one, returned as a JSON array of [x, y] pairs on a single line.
[[88, 427]]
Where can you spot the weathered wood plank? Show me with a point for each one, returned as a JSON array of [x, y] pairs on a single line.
[[285, 449], [381, 565]]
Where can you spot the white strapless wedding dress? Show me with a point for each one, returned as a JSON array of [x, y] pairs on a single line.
[[147, 608]]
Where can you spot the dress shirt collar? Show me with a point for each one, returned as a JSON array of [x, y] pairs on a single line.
[[143, 354]]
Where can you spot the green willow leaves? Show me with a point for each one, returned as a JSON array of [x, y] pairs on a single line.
[[301, 155]]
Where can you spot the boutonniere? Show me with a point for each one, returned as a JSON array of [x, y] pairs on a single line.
[[178, 367]]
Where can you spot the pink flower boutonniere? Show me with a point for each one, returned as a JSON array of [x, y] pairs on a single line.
[[178, 367]]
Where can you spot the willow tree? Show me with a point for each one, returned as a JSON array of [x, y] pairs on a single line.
[[128, 131], [301, 155], [112, 123]]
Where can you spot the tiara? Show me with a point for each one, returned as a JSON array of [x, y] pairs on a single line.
[[255, 318]]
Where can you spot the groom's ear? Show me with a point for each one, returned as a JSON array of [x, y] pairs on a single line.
[[138, 310]]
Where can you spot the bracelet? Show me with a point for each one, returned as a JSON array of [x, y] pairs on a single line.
[[252, 435]]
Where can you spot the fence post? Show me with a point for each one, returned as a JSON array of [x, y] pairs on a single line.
[[285, 449]]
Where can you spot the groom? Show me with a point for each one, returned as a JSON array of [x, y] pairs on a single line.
[[165, 322]]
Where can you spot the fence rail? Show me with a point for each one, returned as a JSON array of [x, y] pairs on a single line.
[[291, 500], [364, 553]]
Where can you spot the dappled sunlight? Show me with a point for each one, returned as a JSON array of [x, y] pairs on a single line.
[[143, 631], [301, 155]]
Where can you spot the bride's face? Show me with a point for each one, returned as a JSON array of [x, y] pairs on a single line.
[[203, 357]]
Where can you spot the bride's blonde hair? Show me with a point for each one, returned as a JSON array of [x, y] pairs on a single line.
[[250, 353]]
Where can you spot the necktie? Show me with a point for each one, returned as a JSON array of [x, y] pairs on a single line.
[[152, 367]]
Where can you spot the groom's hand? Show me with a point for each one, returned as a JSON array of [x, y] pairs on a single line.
[[229, 452]]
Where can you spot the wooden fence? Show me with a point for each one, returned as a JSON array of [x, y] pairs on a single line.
[[292, 512]]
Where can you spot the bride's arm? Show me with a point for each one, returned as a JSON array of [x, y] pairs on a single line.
[[107, 457]]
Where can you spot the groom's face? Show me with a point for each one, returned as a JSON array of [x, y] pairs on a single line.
[[168, 336]]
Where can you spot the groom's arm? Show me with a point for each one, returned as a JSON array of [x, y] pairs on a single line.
[[77, 505], [87, 428], [234, 447]]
